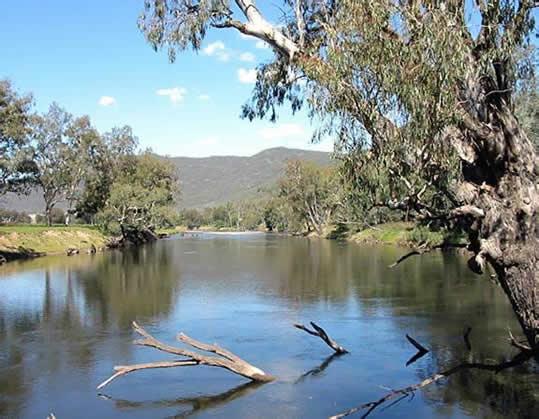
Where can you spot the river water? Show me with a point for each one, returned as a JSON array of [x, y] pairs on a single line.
[[65, 322]]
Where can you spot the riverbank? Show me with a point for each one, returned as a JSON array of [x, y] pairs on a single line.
[[405, 234], [27, 241]]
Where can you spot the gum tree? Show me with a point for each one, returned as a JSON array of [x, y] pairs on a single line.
[[422, 88], [16, 166]]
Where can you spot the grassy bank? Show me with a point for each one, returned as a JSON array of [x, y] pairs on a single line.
[[31, 240], [404, 234]]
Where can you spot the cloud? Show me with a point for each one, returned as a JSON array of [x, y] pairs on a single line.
[[217, 49], [247, 57], [106, 101], [204, 97], [175, 94], [212, 48], [282, 131], [247, 76]]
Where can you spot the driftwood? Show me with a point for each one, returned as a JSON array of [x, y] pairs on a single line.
[[321, 333], [421, 350], [71, 251], [424, 248], [224, 359], [525, 354], [466, 337]]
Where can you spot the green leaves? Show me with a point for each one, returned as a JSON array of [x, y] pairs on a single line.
[[16, 167]]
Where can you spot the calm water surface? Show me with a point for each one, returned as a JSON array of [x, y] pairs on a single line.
[[65, 322]]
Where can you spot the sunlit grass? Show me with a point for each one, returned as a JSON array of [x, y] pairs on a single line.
[[49, 239]]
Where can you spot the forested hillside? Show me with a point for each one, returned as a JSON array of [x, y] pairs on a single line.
[[210, 181]]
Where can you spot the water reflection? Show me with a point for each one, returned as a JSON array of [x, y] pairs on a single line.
[[319, 370], [65, 321], [196, 404]]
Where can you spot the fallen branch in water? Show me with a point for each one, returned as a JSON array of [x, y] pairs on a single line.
[[519, 359], [321, 333], [466, 337], [224, 359], [424, 248], [421, 350]]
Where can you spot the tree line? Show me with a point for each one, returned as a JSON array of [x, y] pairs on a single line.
[[102, 177]]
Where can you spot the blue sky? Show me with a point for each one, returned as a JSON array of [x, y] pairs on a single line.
[[91, 58]]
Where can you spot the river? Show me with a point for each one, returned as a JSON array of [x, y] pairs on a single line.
[[65, 322]]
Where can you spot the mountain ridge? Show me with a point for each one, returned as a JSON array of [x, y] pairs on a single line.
[[210, 181]]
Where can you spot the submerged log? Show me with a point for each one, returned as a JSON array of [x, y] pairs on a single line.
[[224, 359]]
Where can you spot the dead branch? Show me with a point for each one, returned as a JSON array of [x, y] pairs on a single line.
[[416, 344], [519, 345], [519, 359], [421, 350], [225, 358], [466, 337], [423, 248], [321, 333]]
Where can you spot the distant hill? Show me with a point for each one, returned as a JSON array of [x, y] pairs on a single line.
[[210, 181]]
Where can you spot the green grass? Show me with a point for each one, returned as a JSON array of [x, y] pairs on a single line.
[[40, 239], [405, 234]]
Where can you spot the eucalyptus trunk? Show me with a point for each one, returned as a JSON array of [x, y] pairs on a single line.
[[500, 174]]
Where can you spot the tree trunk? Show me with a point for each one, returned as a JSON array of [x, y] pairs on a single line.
[[500, 171], [48, 215]]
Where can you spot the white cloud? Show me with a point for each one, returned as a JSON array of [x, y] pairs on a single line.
[[204, 97], [282, 131], [261, 45], [214, 47], [218, 50], [247, 76], [247, 57], [106, 101], [175, 94]]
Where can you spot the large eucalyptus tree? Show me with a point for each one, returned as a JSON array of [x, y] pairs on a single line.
[[422, 88]]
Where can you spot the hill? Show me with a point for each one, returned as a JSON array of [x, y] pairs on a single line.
[[210, 181]]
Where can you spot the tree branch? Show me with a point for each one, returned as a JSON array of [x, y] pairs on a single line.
[[519, 359], [424, 249], [225, 358], [260, 28], [321, 333]]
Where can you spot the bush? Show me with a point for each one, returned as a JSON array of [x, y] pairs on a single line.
[[14, 217]]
